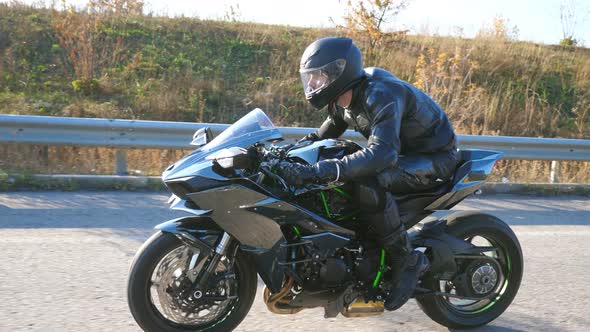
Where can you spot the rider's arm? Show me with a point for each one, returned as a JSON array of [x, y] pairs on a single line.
[[387, 106], [333, 127]]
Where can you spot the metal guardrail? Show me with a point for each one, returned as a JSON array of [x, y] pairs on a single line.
[[177, 135]]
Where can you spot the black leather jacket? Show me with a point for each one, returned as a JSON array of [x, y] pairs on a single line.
[[396, 118]]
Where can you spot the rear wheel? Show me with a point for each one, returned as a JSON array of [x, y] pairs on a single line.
[[160, 294], [495, 275]]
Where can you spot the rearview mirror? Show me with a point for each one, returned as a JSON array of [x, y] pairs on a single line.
[[202, 136]]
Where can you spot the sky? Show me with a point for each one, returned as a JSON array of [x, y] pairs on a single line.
[[536, 20]]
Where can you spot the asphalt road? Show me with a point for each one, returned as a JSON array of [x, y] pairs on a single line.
[[65, 258]]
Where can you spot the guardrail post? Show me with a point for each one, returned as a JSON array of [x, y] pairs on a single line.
[[45, 155], [554, 175], [121, 158]]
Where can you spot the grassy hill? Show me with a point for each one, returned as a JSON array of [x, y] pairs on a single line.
[[181, 69]]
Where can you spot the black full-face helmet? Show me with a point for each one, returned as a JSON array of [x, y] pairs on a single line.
[[329, 67]]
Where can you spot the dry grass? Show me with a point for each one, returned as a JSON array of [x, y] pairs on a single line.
[[20, 158], [33, 159], [211, 71]]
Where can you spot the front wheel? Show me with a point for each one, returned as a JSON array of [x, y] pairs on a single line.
[[160, 294], [496, 275]]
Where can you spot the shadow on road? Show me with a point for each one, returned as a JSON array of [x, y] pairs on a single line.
[[491, 328], [511, 321]]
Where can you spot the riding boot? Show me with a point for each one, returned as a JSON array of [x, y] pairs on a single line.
[[407, 265]]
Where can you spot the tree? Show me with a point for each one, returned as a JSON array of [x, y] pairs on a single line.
[[77, 33], [499, 29], [233, 13], [569, 20], [117, 7], [365, 18], [87, 48]]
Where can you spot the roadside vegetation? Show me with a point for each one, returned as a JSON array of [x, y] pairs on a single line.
[[113, 62]]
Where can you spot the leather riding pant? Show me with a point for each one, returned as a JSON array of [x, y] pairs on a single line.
[[412, 173]]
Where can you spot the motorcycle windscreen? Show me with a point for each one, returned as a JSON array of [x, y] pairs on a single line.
[[249, 125], [252, 128]]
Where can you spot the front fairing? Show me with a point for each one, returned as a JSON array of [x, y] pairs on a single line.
[[247, 131], [239, 206]]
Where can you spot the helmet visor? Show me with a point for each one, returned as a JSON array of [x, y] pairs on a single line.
[[317, 79]]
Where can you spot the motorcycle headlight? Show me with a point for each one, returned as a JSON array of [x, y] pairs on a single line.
[[234, 157], [226, 162]]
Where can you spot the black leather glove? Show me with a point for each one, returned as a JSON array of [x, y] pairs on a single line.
[[296, 174], [327, 171], [310, 137], [299, 175]]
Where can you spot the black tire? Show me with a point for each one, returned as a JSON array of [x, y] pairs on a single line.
[[138, 289], [464, 225]]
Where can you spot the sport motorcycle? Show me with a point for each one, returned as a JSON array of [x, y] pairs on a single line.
[[309, 245]]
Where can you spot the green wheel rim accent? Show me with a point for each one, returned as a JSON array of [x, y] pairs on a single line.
[[491, 304], [484, 308], [325, 204], [381, 269]]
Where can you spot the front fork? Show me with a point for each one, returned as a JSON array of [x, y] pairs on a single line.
[[212, 262]]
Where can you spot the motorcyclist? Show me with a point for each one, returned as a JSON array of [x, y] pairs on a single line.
[[411, 147]]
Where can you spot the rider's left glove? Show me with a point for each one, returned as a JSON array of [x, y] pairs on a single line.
[[310, 137], [299, 175]]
